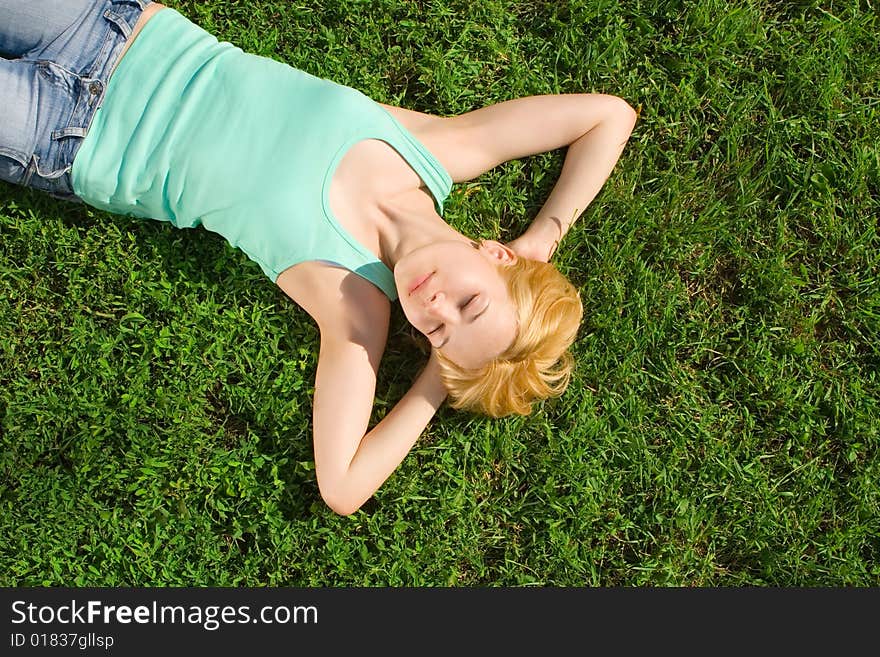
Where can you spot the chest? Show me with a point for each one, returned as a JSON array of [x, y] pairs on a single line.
[[371, 174]]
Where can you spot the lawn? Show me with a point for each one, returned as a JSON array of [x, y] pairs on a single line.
[[723, 423]]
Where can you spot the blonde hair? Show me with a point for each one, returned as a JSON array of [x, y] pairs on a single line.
[[538, 363]]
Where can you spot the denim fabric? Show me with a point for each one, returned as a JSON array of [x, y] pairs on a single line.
[[57, 56]]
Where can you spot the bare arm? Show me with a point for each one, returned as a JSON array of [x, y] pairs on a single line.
[[351, 463], [595, 127], [588, 163]]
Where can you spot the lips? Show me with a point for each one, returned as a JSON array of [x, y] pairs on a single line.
[[419, 283]]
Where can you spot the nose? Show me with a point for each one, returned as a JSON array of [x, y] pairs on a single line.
[[437, 306]]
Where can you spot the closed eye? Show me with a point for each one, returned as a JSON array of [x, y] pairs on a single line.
[[468, 302], [485, 308], [435, 330]]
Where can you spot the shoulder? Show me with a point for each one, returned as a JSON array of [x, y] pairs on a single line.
[[446, 137], [414, 121]]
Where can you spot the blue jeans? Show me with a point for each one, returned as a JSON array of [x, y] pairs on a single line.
[[55, 59]]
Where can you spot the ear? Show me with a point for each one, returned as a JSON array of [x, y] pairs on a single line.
[[499, 253]]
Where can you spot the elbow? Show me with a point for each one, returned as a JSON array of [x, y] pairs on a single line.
[[624, 112], [337, 499], [611, 113], [342, 508]]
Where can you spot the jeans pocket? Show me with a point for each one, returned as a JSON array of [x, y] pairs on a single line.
[[13, 166], [58, 76], [55, 182]]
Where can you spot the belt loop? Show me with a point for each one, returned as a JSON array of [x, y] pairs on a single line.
[[119, 22], [71, 131], [140, 3]]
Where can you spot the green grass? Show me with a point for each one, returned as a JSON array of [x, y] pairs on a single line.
[[723, 424]]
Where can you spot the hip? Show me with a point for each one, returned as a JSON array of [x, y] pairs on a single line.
[[57, 58]]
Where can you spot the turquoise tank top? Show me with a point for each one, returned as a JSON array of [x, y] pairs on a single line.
[[194, 131]]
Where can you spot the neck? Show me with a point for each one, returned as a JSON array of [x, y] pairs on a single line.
[[404, 228]]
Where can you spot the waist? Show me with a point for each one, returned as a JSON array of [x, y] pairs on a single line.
[[151, 10]]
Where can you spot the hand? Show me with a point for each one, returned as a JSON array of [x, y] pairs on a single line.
[[528, 248], [540, 240]]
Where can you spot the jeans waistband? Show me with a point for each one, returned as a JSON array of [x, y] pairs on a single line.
[[121, 17]]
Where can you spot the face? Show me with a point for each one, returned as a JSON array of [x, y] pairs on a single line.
[[453, 293]]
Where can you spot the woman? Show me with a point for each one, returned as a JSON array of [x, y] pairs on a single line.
[[128, 106]]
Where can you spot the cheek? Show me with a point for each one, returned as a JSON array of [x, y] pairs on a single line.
[[411, 312], [495, 285], [406, 307]]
